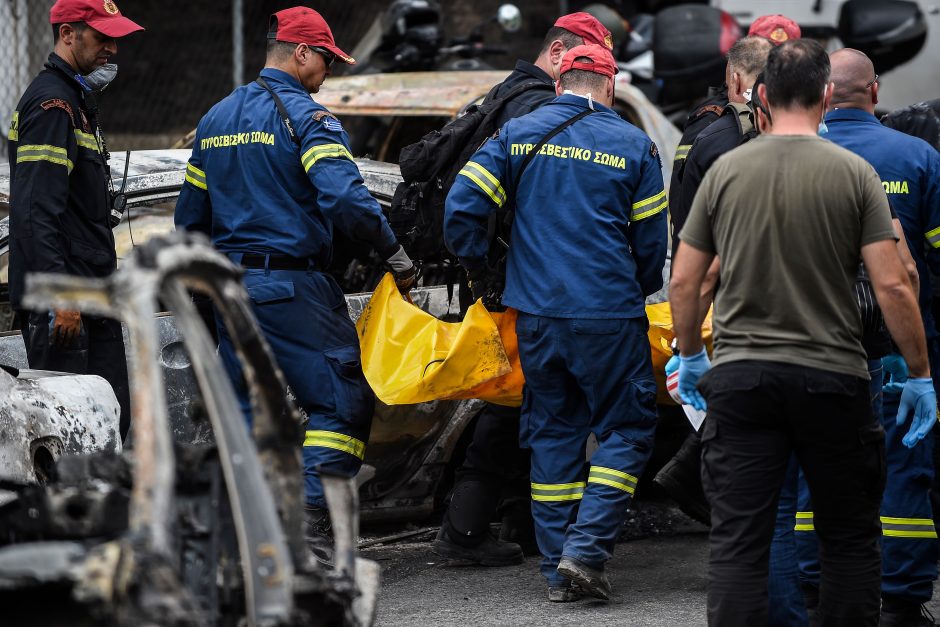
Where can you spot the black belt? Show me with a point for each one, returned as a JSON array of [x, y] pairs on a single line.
[[276, 262]]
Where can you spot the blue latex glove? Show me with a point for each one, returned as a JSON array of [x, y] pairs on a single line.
[[672, 365], [896, 368], [919, 400], [691, 370]]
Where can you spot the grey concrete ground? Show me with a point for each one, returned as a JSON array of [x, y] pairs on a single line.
[[658, 582], [658, 574]]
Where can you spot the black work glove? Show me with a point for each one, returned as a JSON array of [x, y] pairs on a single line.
[[403, 270], [487, 285]]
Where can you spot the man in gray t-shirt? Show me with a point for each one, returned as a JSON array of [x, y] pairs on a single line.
[[790, 373]]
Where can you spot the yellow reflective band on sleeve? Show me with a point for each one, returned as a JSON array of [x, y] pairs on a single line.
[[338, 441], [195, 176], [682, 151], [933, 237], [485, 181], [908, 527], [44, 152], [86, 140], [648, 207], [804, 522], [323, 151], [558, 491], [14, 134], [613, 478]]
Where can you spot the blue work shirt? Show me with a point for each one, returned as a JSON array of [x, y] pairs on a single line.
[[910, 173], [251, 189], [589, 232]]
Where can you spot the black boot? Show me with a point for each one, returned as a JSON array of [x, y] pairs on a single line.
[[898, 612], [318, 532], [486, 552], [465, 529], [681, 478]]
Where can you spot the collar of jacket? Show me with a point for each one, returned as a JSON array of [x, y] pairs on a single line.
[[55, 62], [283, 77], [581, 102], [532, 70], [851, 115]]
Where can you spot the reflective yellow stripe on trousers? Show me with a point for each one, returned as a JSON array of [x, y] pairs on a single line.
[[890, 526], [613, 478], [558, 491], [338, 441]]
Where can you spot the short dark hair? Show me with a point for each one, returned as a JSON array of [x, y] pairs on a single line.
[[562, 34], [797, 73], [78, 27], [279, 50], [583, 80], [748, 55]]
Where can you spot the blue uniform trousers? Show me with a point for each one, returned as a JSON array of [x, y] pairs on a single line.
[[786, 607], [909, 546], [584, 376], [303, 316]]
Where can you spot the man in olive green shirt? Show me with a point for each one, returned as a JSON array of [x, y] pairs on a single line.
[[790, 215]]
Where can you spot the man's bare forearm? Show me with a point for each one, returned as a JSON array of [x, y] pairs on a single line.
[[902, 316], [685, 291]]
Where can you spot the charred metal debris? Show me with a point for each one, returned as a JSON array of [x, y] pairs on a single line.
[[176, 534]]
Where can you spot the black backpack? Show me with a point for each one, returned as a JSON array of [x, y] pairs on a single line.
[[429, 168]]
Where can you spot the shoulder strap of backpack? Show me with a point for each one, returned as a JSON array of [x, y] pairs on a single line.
[[535, 149], [744, 117], [281, 109]]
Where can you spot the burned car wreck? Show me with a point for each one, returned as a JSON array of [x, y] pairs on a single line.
[[179, 534]]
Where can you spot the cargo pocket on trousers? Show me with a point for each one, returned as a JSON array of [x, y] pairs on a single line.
[[353, 398], [871, 438], [268, 292]]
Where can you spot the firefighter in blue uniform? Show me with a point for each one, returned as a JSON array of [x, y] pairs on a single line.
[[60, 201], [589, 240], [269, 178], [910, 172]]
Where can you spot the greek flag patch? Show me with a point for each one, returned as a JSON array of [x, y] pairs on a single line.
[[329, 121]]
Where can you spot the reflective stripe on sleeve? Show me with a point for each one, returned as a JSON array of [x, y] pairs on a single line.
[[44, 152], [195, 176], [323, 151], [485, 181], [933, 237], [908, 527], [86, 140], [613, 478], [804, 522], [558, 491], [682, 151], [648, 207], [338, 441]]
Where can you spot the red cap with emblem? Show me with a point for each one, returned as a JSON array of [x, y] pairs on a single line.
[[776, 28], [302, 25], [586, 26], [601, 61], [102, 15]]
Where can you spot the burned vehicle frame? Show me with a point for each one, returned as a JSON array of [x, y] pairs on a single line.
[[168, 566]]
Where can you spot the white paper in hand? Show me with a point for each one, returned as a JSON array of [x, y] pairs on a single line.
[[696, 417]]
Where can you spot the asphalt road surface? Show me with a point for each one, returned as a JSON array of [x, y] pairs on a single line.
[[658, 576]]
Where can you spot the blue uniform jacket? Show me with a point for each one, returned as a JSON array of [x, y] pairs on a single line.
[[589, 234], [251, 189], [910, 172]]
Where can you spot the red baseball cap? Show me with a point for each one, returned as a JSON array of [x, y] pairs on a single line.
[[102, 15], [586, 26], [302, 25], [776, 28], [601, 60]]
